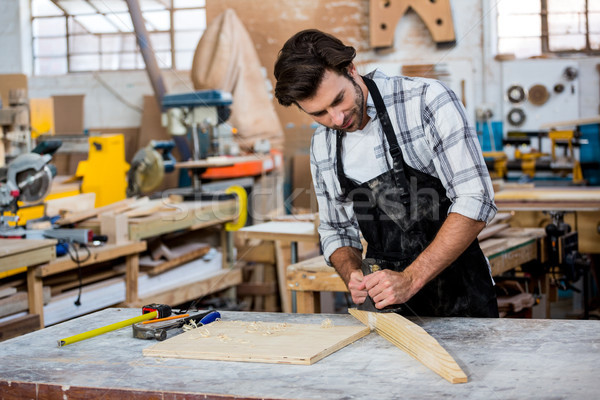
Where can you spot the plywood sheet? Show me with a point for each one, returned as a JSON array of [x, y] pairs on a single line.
[[255, 341]]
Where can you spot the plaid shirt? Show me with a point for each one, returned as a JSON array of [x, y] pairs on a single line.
[[435, 138]]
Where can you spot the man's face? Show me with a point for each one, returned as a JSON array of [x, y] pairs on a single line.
[[339, 102]]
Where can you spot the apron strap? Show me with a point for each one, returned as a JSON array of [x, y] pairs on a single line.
[[339, 164], [388, 129]]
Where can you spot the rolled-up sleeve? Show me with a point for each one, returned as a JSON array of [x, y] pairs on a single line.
[[457, 155], [337, 223]]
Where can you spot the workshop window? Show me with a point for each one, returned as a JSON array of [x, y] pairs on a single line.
[[529, 28], [97, 35]]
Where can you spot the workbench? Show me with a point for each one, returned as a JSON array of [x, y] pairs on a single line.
[[508, 250], [531, 207], [17, 256], [279, 232], [503, 358], [22, 253], [110, 252]]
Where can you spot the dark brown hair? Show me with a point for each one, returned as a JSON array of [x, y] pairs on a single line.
[[302, 62]]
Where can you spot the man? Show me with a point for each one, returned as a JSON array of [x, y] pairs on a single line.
[[396, 160]]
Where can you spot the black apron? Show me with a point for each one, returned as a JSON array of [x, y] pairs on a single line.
[[399, 213]]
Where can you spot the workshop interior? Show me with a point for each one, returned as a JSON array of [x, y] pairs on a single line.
[[146, 166]]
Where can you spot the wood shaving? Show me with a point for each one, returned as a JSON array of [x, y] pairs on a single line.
[[224, 338], [265, 329], [327, 324], [190, 325]]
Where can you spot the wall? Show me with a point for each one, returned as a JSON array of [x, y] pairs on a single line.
[[16, 37], [112, 99]]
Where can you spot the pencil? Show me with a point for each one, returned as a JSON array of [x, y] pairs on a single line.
[[166, 319]]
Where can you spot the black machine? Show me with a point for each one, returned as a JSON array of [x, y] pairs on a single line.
[[565, 264]]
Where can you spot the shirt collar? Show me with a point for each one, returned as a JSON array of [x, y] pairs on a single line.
[[371, 111]]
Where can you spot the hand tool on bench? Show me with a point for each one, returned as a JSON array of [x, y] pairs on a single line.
[[368, 266], [162, 330], [148, 312]]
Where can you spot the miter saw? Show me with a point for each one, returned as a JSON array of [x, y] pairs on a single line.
[[27, 179], [148, 167]]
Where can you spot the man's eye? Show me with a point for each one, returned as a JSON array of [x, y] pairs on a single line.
[[338, 100]]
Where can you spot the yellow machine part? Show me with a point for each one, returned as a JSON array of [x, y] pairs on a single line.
[[240, 192], [105, 170], [42, 117], [500, 162], [27, 213], [567, 136]]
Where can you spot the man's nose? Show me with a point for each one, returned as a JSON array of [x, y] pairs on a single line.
[[337, 116]]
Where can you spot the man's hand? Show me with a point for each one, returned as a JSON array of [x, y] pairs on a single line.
[[388, 287], [356, 286], [347, 262]]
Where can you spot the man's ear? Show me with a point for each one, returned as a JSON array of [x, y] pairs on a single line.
[[352, 71]]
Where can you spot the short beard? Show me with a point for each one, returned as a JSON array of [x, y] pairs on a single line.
[[359, 100]]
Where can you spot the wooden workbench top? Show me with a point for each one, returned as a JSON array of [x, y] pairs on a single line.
[[16, 253], [503, 358]]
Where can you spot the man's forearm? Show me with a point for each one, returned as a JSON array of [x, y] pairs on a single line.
[[453, 238], [345, 260]]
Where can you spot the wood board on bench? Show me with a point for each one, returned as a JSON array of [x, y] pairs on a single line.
[[259, 342]]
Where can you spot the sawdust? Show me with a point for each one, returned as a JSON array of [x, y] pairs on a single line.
[[327, 323], [224, 338], [265, 329]]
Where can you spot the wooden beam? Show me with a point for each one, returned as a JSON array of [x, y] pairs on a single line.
[[19, 326], [77, 203], [181, 255], [415, 341], [98, 255], [118, 206], [256, 289], [222, 280], [15, 253]]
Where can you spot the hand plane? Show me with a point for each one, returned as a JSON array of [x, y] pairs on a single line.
[[163, 330], [368, 266]]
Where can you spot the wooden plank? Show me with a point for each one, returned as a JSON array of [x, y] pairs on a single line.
[[15, 253], [284, 343], [132, 274], [568, 194], [490, 231], [256, 289], [181, 255], [71, 281], [571, 123], [308, 302], [78, 203], [284, 293], [99, 254], [115, 227], [19, 302], [415, 341], [262, 252], [71, 218], [518, 251], [186, 215], [270, 301], [222, 280], [7, 291], [283, 231], [500, 217], [19, 326], [313, 275]]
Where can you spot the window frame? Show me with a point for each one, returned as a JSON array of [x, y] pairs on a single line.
[[544, 36], [138, 62]]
